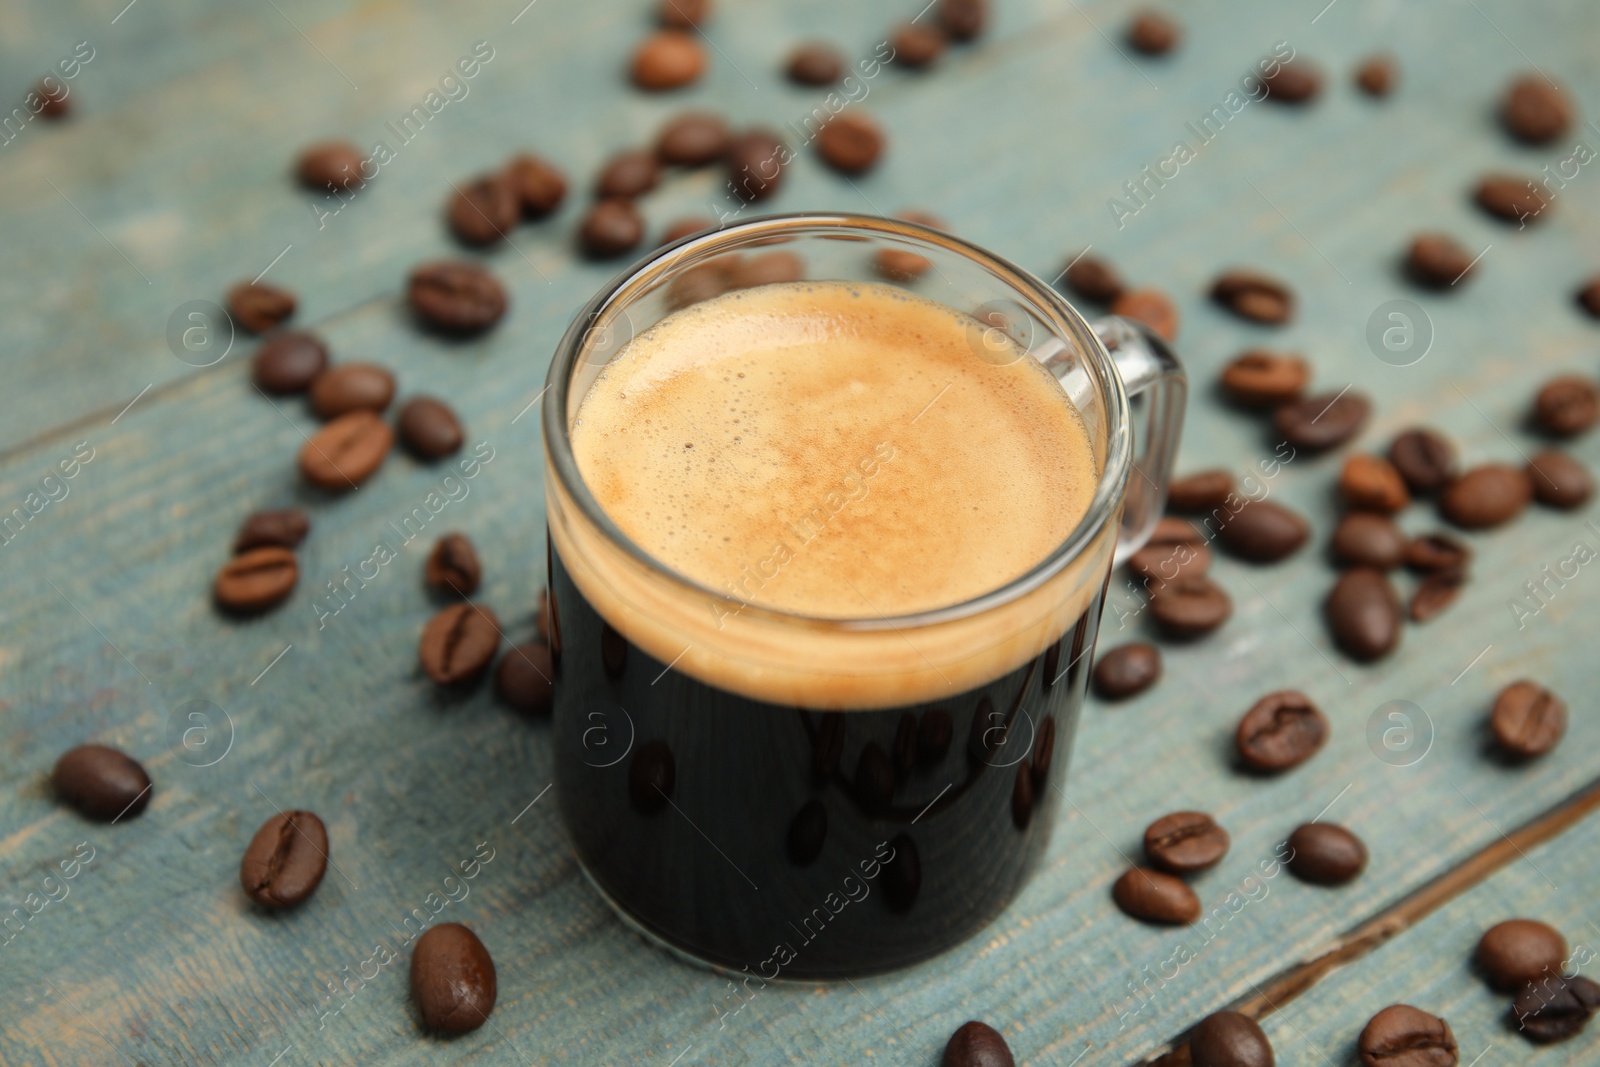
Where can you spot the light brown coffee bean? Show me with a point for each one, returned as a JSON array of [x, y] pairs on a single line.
[[916, 46], [1185, 842], [1437, 261], [1536, 110], [1509, 197], [693, 139], [685, 228], [458, 644], [351, 387], [1280, 731], [668, 59], [255, 580], [1155, 897], [1262, 379], [258, 307], [1559, 481], [1371, 483], [330, 165], [1567, 405], [1200, 492], [285, 861], [1153, 33], [1377, 75], [815, 63], [346, 452], [1295, 82], [1159, 564], [1515, 952], [900, 264], [1365, 539], [1528, 720], [1403, 1036], [766, 268], [1151, 307], [1486, 496], [1254, 296], [850, 142], [453, 982], [1363, 612]]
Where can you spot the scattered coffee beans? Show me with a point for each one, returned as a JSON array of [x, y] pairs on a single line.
[[692, 139], [755, 164], [429, 428], [1151, 307], [1377, 75], [1254, 296], [101, 782], [1155, 897], [976, 1044], [285, 861], [452, 566], [1280, 731], [1262, 379], [668, 59], [627, 175], [651, 777], [1094, 279], [346, 452], [816, 64], [523, 679], [1363, 613], [1371, 483], [1263, 532], [917, 46], [1321, 422], [455, 296], [539, 187], [1190, 607], [452, 979], [1153, 33], [1559, 481], [963, 19], [1509, 197], [330, 165], [850, 142], [1535, 110], [1229, 1039], [1295, 82], [1325, 854], [1518, 951], [1363, 539], [255, 580], [1425, 459], [351, 387], [1437, 261], [1567, 405], [1200, 492], [1403, 1036], [281, 527], [1127, 670], [1555, 1009], [288, 363], [484, 210], [1185, 842], [259, 307], [1528, 720], [1486, 496], [458, 644]]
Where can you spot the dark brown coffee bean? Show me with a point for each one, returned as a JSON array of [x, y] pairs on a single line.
[[429, 428], [612, 228], [1528, 720], [1151, 307], [330, 165], [351, 387], [1324, 854], [455, 296], [523, 679], [453, 980], [1263, 532], [1589, 297], [874, 780], [1437, 552], [668, 59], [539, 187], [289, 363], [1153, 33], [1536, 110], [902, 874], [627, 175], [1190, 607], [917, 46], [346, 452], [1022, 796], [458, 644], [755, 165], [934, 734], [1200, 492], [1157, 564], [484, 210], [1371, 483], [1560, 481], [452, 566], [256, 580], [1518, 951], [285, 861], [1508, 197], [684, 14], [685, 228], [767, 268], [976, 1044], [1363, 539], [259, 307], [1486, 496], [1363, 613], [55, 99], [1262, 379], [808, 832], [814, 63], [1425, 459], [1324, 421], [1437, 261], [1403, 1036], [1254, 296], [1228, 1039], [1127, 670], [652, 774], [1555, 1009], [1185, 842], [850, 142], [1155, 897], [1567, 405], [1435, 593], [101, 782], [1377, 75], [900, 265], [1293, 83], [1094, 279], [282, 527], [692, 139], [963, 19], [1280, 731]]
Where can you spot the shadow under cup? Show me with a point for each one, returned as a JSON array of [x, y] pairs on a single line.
[[799, 798]]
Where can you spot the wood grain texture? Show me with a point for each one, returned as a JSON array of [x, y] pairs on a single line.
[[179, 158]]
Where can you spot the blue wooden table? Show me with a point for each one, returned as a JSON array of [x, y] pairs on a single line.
[[170, 182]]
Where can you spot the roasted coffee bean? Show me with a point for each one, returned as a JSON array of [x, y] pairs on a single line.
[[1254, 296], [1437, 552], [1435, 593], [452, 566], [1325, 854], [1518, 951], [484, 210], [458, 644], [1022, 796], [429, 428], [285, 861], [1155, 897], [1153, 33], [755, 164], [651, 777], [1535, 110], [850, 142], [684, 14], [1567, 405], [1437, 261], [1508, 197], [330, 165], [1228, 1039], [1528, 720], [976, 1044], [874, 780], [917, 46], [453, 980], [963, 19], [455, 296], [1185, 842], [1094, 279], [1127, 670], [1262, 379], [668, 59], [1403, 1036], [351, 387], [1157, 564], [1363, 539], [523, 679], [1324, 421], [1263, 532], [1560, 481], [685, 228], [1486, 496], [1171, 530], [1151, 307], [259, 307], [255, 580], [808, 832], [1363, 613], [814, 63], [101, 782], [1293, 83], [282, 527], [692, 139], [1555, 1009], [934, 734], [767, 268], [1371, 483], [901, 265], [1425, 459], [539, 187], [1190, 607], [346, 452], [902, 874], [627, 175], [612, 228], [1589, 297], [288, 363], [1280, 731], [1377, 75], [1201, 491], [55, 100]]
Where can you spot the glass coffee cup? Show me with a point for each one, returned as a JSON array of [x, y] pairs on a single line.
[[804, 794]]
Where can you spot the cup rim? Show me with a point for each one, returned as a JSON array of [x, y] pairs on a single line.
[[649, 272]]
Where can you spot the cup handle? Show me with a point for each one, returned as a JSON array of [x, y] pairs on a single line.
[[1156, 386]]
